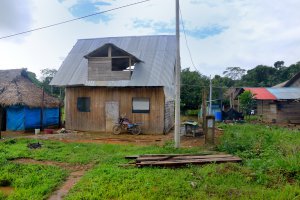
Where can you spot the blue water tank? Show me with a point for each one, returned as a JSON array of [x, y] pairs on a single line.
[[218, 116]]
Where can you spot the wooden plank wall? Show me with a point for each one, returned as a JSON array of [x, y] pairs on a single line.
[[288, 112], [95, 119], [169, 115], [100, 69], [281, 112]]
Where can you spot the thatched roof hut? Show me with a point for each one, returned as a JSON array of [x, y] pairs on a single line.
[[17, 89]]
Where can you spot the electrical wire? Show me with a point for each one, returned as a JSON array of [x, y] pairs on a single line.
[[71, 20], [186, 42]]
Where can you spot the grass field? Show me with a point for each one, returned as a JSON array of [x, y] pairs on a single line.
[[270, 169]]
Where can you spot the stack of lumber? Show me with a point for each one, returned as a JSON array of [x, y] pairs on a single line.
[[173, 160]]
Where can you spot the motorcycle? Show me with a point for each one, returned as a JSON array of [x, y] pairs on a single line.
[[125, 125]]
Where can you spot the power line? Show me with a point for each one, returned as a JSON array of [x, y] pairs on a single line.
[[71, 20], [186, 42]]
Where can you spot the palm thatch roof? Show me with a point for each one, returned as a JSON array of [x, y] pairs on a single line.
[[17, 89]]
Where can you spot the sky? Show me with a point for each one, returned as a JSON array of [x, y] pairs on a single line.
[[220, 33]]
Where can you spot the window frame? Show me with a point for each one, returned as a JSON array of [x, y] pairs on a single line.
[[85, 106], [141, 111]]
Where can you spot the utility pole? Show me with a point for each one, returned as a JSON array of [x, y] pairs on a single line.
[[178, 70], [210, 96]]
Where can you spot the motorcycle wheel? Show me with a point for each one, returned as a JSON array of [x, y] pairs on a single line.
[[117, 129], [136, 130]]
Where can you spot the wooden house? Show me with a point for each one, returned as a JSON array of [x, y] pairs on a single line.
[[107, 77], [23, 105], [281, 105]]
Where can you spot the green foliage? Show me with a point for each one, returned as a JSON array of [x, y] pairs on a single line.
[[192, 112], [272, 153], [191, 89], [267, 76], [47, 76], [247, 102], [270, 169], [30, 181]]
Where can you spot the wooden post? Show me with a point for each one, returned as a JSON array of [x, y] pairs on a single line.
[[42, 110], [204, 110], [210, 132], [130, 65], [177, 81], [210, 96]]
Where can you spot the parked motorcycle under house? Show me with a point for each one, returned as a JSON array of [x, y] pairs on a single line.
[[125, 125]]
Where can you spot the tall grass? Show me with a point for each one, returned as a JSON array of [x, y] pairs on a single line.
[[272, 152]]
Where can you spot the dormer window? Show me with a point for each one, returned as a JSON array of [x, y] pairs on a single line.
[[110, 62]]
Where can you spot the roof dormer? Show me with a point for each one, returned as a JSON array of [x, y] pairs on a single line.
[[110, 63]]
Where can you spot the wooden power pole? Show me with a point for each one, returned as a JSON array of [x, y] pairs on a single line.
[[178, 70]]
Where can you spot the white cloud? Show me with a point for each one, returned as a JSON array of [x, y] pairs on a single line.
[[257, 32]]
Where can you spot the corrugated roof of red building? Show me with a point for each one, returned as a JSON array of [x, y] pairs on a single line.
[[261, 93]]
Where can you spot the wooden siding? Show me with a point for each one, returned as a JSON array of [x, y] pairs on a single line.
[[279, 111], [169, 115], [100, 69], [94, 120]]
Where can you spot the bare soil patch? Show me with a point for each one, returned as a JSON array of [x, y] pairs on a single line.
[[109, 138], [7, 190]]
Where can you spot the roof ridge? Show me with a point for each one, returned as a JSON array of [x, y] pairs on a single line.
[[126, 37]]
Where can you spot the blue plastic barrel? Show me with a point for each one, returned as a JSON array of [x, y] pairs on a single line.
[[218, 116]]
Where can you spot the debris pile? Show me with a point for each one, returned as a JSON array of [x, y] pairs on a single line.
[[176, 160], [63, 130], [34, 145]]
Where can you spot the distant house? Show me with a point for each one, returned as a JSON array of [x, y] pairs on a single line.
[[21, 102], [107, 77], [280, 105], [293, 82]]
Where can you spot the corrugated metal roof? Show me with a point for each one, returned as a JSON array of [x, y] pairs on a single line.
[[285, 93], [261, 93], [158, 54], [275, 93]]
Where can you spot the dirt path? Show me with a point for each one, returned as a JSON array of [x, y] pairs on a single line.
[[77, 171], [108, 138]]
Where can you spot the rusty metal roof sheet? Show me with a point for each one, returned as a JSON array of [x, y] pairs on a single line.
[[158, 54]]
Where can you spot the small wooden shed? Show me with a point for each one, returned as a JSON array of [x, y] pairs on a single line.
[[21, 102], [107, 77]]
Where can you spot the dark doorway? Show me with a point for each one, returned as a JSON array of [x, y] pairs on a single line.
[[3, 121]]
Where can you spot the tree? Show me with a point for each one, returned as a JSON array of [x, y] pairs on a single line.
[[279, 64], [192, 84], [247, 102], [260, 76], [47, 76], [234, 73]]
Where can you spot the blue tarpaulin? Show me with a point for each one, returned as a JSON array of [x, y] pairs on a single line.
[[51, 116], [22, 117], [15, 117]]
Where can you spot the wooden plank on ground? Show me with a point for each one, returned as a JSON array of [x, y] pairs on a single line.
[[159, 158], [186, 162]]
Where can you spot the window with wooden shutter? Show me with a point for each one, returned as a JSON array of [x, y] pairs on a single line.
[[140, 105]]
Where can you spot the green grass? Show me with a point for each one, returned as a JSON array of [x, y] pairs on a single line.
[[270, 169], [30, 181]]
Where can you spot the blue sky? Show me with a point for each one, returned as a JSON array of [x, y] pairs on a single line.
[[220, 33], [86, 7]]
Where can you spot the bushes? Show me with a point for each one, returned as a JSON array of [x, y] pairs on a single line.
[[272, 152]]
